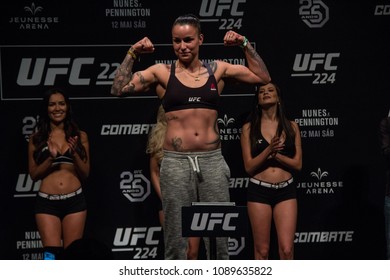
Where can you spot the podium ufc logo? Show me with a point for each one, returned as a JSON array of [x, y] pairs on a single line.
[[208, 221]]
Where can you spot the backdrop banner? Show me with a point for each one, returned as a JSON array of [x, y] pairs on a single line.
[[331, 59]]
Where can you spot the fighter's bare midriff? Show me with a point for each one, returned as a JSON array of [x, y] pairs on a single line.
[[192, 130]]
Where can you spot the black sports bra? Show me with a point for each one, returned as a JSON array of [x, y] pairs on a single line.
[[65, 158], [289, 148], [59, 159], [178, 96]]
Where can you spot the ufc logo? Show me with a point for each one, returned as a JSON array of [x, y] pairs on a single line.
[[131, 236], [25, 184], [211, 8], [32, 73], [208, 221], [309, 62], [194, 99]]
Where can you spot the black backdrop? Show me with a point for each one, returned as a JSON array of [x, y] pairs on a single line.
[[331, 59]]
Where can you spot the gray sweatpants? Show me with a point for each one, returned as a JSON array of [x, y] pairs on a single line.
[[191, 177]]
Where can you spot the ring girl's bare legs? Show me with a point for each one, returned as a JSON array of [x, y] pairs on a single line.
[[285, 217], [52, 231], [49, 227], [73, 227], [260, 216]]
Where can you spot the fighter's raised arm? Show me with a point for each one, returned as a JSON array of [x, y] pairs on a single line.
[[256, 72], [127, 82]]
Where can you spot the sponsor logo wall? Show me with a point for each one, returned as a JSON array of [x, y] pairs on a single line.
[[331, 59]]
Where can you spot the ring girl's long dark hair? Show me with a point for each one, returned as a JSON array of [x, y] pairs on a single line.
[[284, 124], [43, 129]]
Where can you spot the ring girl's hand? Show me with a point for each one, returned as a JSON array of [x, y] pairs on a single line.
[[52, 148], [72, 143], [276, 144]]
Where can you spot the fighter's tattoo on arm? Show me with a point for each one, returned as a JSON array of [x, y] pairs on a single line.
[[253, 53], [123, 77], [213, 66], [130, 87]]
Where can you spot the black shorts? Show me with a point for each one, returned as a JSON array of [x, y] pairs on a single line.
[[261, 194], [60, 208]]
